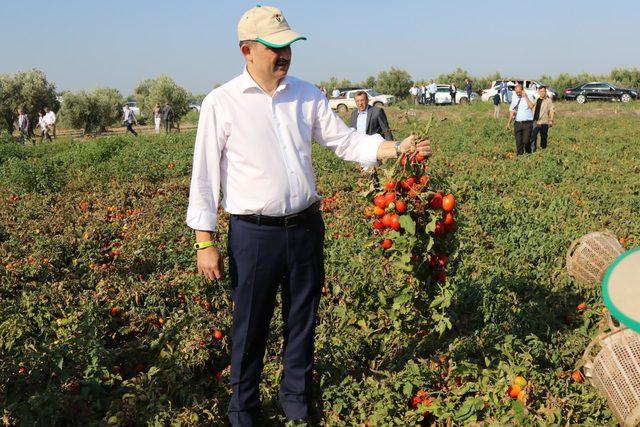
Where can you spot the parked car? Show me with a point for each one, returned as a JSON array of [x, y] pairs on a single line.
[[530, 88], [443, 95], [194, 106], [600, 91], [347, 99]]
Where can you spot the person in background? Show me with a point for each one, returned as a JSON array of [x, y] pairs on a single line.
[[504, 88], [421, 95], [467, 86], [167, 117], [23, 125], [129, 118], [452, 92], [521, 111], [543, 118], [496, 105], [433, 88], [335, 93], [424, 90], [414, 92], [50, 117], [42, 124], [369, 120], [157, 117], [323, 90]]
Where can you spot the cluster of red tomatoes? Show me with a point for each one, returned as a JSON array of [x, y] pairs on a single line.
[[406, 192]]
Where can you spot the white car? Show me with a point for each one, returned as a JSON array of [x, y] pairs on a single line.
[[347, 99], [530, 88], [443, 95]]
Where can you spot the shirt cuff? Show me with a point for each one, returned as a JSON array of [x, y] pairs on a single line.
[[370, 153], [202, 220]]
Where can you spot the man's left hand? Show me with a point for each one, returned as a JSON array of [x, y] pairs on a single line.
[[411, 144]]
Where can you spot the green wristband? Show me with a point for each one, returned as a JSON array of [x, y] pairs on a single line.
[[202, 245]]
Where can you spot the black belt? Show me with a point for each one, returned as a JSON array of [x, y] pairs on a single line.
[[287, 221]]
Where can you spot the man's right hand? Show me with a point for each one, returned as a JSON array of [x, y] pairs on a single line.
[[210, 263]]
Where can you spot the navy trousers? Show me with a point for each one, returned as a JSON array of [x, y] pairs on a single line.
[[262, 259]]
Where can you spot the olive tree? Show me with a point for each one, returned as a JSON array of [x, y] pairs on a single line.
[[161, 90], [394, 82], [28, 90], [91, 111]]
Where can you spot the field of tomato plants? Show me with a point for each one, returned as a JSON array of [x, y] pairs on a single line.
[[104, 320]]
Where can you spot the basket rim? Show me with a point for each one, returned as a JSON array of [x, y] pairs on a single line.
[[622, 318]]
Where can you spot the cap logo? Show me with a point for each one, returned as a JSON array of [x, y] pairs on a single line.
[[278, 17]]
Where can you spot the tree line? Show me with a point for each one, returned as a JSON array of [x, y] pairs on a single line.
[[94, 111], [90, 111], [397, 82]]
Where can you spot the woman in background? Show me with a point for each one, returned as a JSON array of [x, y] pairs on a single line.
[[157, 117]]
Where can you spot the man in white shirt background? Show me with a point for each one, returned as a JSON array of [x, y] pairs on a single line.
[[50, 120], [521, 111], [433, 88], [414, 91], [254, 143]]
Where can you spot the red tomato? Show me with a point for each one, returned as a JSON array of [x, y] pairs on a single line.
[[390, 185], [433, 260], [436, 201], [395, 222], [442, 276], [389, 197], [386, 220], [408, 183], [217, 334], [378, 225], [401, 206], [443, 260], [424, 180], [448, 202], [439, 231], [450, 227], [379, 201], [449, 219], [403, 160], [419, 158], [386, 244], [378, 211]]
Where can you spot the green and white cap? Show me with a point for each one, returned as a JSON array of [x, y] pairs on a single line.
[[266, 25]]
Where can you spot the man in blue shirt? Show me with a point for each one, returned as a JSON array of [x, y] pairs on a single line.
[[521, 111], [503, 90], [467, 86]]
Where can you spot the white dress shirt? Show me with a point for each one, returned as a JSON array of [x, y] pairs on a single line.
[[361, 122], [50, 117], [256, 148]]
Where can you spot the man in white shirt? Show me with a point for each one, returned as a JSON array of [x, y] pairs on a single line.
[[254, 143], [50, 120], [433, 88], [335, 93], [521, 112], [414, 92]]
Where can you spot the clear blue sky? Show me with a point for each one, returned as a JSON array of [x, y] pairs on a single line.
[[84, 44]]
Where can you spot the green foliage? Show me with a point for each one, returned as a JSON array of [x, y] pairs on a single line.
[[394, 82], [105, 229], [91, 111], [29, 90], [151, 92]]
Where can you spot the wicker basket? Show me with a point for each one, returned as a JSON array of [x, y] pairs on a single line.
[[615, 371], [589, 256]]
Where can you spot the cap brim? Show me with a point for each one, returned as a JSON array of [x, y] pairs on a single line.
[[281, 39]]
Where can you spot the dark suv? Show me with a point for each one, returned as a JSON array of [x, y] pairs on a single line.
[[600, 91]]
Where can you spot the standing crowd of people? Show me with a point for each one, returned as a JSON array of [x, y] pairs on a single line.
[[426, 93]]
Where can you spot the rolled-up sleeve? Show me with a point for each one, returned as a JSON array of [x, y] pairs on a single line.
[[330, 131], [204, 193]]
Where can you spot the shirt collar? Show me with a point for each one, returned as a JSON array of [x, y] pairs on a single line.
[[247, 82], [366, 110]]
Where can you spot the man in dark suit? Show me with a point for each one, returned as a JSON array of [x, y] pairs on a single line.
[[369, 120]]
